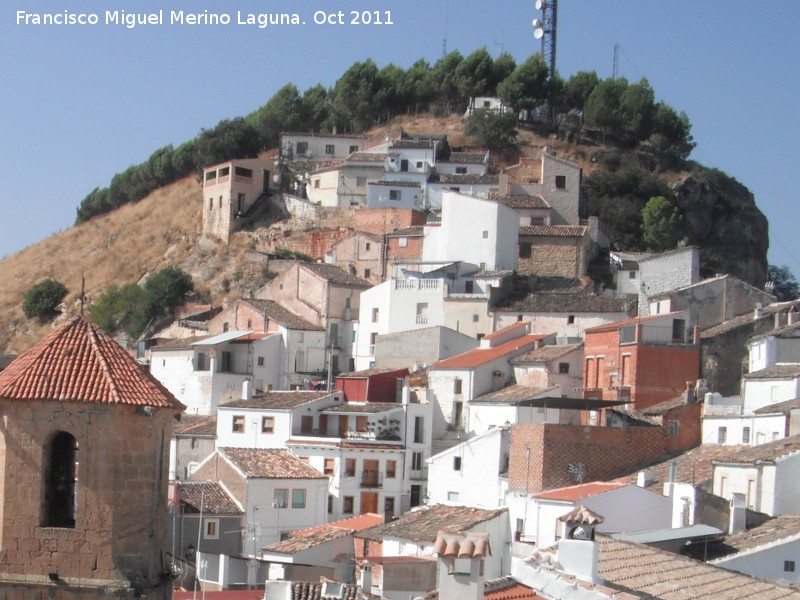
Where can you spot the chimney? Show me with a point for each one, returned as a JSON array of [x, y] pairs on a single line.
[[688, 395], [578, 553], [644, 479], [791, 316], [247, 390], [365, 578], [758, 312], [738, 513]]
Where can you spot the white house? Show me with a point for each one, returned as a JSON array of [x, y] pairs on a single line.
[[768, 475], [666, 271], [470, 472], [476, 185], [203, 372], [320, 146]]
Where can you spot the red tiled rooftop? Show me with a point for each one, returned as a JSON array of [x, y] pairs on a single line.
[[574, 493], [79, 363], [270, 464], [480, 356], [355, 523]]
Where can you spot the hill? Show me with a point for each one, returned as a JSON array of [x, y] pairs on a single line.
[[164, 229]]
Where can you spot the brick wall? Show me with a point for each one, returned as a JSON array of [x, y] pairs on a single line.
[[605, 452], [553, 257]]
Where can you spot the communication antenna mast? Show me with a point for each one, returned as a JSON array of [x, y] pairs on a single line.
[[615, 70], [444, 41], [545, 29]]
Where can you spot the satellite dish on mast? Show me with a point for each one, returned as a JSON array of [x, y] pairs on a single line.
[[540, 4], [538, 29]]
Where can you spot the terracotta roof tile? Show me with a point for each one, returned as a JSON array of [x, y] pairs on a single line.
[[466, 158], [547, 353], [311, 540], [480, 356], [512, 394], [423, 525], [465, 179], [769, 452], [282, 316], [369, 373], [214, 499], [336, 275], [196, 425], [519, 200], [773, 530], [388, 183], [357, 523], [79, 363], [270, 464], [574, 493], [412, 144], [564, 302], [781, 371], [377, 157], [363, 407], [278, 400]]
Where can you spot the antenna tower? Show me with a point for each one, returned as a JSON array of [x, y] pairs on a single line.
[[615, 70], [545, 29]]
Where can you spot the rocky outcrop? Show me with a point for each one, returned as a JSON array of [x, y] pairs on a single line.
[[722, 219]]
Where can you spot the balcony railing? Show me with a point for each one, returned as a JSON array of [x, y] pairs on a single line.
[[371, 479], [418, 474]]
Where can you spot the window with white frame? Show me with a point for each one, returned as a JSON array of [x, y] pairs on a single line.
[[211, 529], [267, 424]]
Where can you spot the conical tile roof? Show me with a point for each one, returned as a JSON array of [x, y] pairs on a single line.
[[79, 363]]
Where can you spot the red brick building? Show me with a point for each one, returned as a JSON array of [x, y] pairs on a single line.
[[372, 385], [644, 359]]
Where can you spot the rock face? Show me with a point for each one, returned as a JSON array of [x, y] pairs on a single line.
[[723, 220]]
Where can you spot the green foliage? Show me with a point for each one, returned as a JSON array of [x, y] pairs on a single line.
[[287, 254], [131, 308], [353, 97], [235, 138], [446, 82], [527, 87], [504, 66], [41, 300], [578, 89], [316, 109], [784, 284], [662, 224], [493, 130], [474, 75], [619, 198], [284, 112]]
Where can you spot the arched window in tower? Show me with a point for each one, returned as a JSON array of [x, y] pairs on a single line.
[[61, 491]]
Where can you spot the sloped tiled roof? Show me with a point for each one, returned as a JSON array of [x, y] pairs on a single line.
[[561, 302], [768, 452], [508, 588], [278, 400], [363, 407], [414, 230], [781, 371], [466, 158], [773, 530], [378, 157], [368, 373], [311, 540], [511, 394], [196, 425], [386, 182], [208, 495], [665, 406], [270, 464], [79, 363], [546, 353], [779, 407], [412, 144], [481, 356], [356, 523], [313, 591], [519, 200], [336, 275], [655, 573], [282, 316], [465, 179], [573, 493], [424, 524], [552, 231]]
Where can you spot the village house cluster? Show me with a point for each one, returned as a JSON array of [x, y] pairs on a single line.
[[443, 403]]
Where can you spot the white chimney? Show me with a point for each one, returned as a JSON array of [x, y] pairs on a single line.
[[758, 313], [644, 479], [247, 390], [365, 578], [738, 521], [578, 552]]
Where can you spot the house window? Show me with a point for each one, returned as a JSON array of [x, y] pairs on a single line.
[[330, 504], [457, 385], [238, 424], [485, 234], [524, 250], [210, 204], [347, 505], [375, 315], [419, 430], [456, 463], [306, 424], [563, 368], [316, 183], [298, 498], [280, 499], [329, 149], [367, 273], [419, 164], [211, 529], [302, 148], [267, 424], [631, 274], [62, 482], [416, 461], [352, 149], [327, 469], [391, 469], [260, 361], [722, 435], [367, 246], [561, 182], [570, 319], [402, 242], [461, 170], [788, 566], [452, 496], [475, 318], [537, 221], [394, 194], [745, 435], [225, 327], [404, 165], [350, 467], [361, 181], [672, 428]]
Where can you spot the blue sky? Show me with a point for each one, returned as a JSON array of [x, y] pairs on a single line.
[[82, 103]]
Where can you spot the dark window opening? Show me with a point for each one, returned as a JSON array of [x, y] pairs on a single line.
[[62, 482], [561, 182]]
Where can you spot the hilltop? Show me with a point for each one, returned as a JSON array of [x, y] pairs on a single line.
[[164, 229]]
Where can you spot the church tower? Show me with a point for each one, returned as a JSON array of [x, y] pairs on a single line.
[[84, 448]]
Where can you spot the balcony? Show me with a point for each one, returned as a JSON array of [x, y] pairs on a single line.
[[419, 474], [371, 479]]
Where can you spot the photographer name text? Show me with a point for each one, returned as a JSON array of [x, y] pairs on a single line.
[[132, 20]]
